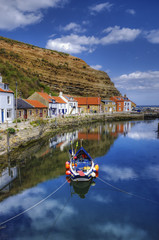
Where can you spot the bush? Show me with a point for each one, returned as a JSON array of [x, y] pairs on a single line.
[[11, 130], [18, 121]]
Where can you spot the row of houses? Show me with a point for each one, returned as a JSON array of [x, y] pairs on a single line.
[[42, 105]]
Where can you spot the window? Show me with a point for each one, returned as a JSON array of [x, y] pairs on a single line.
[[36, 111], [106, 109], [30, 112], [9, 113], [8, 100], [114, 108], [20, 113]]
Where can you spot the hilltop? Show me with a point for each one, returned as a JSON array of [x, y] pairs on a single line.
[[35, 68]]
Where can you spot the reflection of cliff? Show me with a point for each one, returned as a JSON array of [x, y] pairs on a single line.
[[46, 159]]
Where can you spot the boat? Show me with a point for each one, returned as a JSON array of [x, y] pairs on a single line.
[[81, 166]]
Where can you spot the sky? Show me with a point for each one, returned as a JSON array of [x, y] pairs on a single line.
[[120, 37]]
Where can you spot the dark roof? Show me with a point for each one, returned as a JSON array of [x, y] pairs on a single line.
[[107, 100], [21, 104]]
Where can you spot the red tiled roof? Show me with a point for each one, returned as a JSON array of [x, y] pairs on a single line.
[[88, 100], [35, 103], [46, 96], [7, 91], [58, 99], [117, 99]]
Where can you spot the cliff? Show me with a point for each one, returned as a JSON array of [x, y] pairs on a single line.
[[35, 68]]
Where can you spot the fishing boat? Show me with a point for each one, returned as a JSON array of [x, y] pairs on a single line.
[[81, 166]]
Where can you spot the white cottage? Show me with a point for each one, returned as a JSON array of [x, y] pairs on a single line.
[[127, 104], [6, 103], [72, 104]]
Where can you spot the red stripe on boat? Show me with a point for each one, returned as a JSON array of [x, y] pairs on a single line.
[[81, 173]]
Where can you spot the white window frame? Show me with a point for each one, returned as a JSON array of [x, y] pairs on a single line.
[[9, 113], [9, 100]]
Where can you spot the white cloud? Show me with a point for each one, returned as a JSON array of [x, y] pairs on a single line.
[[100, 7], [152, 172], [120, 231], [72, 43], [115, 173], [152, 36], [138, 81], [101, 199], [17, 13], [97, 67], [73, 27], [131, 11], [117, 34]]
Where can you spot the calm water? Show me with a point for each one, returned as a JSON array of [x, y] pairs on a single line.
[[128, 158]]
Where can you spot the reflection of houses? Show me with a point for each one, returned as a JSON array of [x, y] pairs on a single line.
[[108, 106], [6, 177], [118, 128], [89, 136], [63, 140], [6, 103], [89, 104], [30, 109]]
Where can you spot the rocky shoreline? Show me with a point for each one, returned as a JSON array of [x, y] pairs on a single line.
[[28, 132]]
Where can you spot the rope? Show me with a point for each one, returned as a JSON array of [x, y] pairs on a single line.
[[123, 191], [35, 205]]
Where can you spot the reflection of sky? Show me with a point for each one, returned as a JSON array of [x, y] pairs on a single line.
[[117, 231], [115, 173], [130, 164], [144, 131]]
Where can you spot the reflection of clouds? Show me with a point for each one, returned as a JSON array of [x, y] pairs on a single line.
[[43, 215], [120, 231], [22, 200], [101, 199], [144, 131], [141, 135], [115, 173], [152, 172]]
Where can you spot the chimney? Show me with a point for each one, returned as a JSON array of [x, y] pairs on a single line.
[[60, 94], [124, 95], [42, 90], [0, 78]]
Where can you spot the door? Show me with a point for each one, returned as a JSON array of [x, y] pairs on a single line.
[[41, 113], [25, 114], [63, 111], [2, 115]]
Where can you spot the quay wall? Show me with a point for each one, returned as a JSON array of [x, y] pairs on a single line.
[[28, 132]]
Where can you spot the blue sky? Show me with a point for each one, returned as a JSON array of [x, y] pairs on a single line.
[[120, 37]]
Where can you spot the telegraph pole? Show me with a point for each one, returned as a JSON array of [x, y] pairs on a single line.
[[16, 103]]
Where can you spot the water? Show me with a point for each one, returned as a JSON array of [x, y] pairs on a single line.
[[128, 158]]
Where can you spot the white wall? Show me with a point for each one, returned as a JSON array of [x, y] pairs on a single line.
[[8, 109]]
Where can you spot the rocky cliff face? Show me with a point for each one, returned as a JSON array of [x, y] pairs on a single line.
[[35, 68]]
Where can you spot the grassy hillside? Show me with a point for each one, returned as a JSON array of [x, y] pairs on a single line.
[[35, 68]]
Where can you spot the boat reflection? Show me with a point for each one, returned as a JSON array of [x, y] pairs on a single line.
[[80, 188]]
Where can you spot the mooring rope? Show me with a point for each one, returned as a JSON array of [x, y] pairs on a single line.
[[123, 191], [35, 205]]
